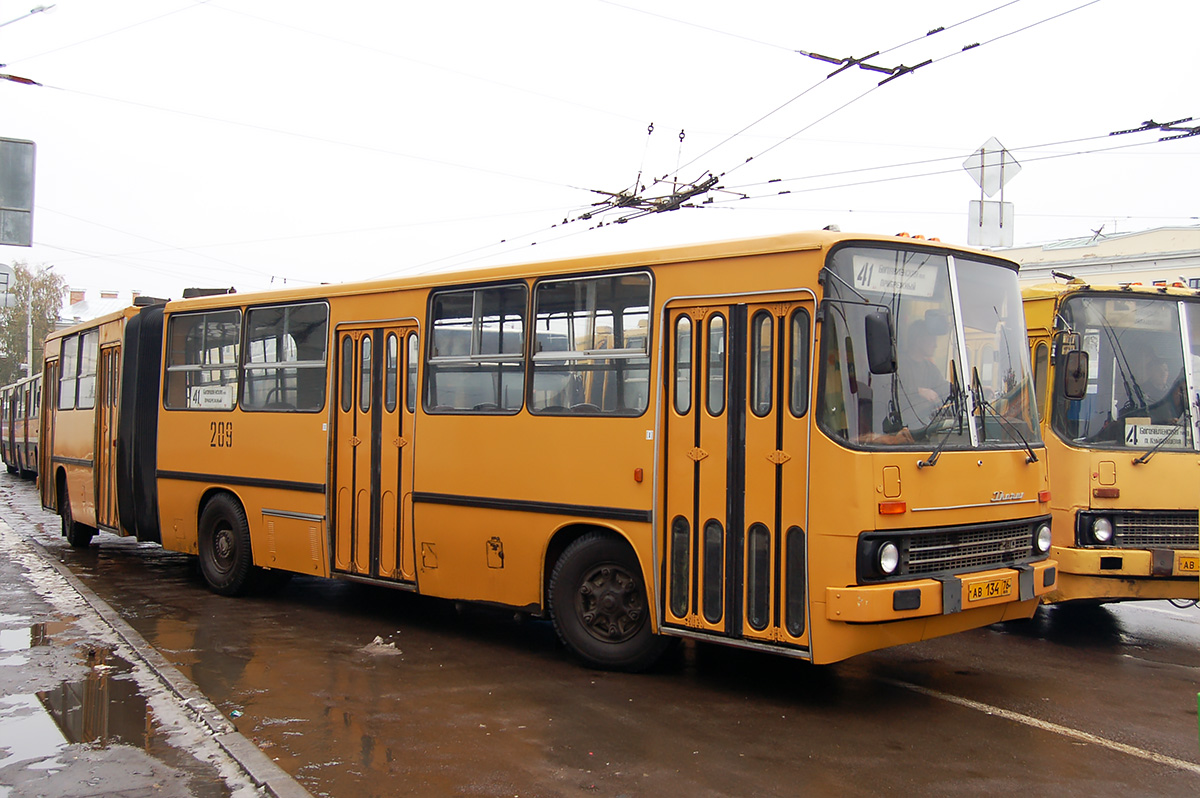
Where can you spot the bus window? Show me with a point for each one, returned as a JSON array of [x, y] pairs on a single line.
[[716, 366], [1041, 367], [390, 372], [799, 363], [414, 352], [347, 362], [477, 346], [202, 357], [683, 365], [89, 356], [591, 345], [762, 351], [285, 358], [364, 391], [68, 372]]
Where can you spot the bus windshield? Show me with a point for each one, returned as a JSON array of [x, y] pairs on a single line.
[[1143, 363], [963, 377]]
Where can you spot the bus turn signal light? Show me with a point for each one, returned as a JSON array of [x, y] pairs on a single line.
[[637, 475], [1043, 497], [893, 508]]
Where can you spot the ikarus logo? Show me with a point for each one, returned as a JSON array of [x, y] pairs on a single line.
[[1001, 496]]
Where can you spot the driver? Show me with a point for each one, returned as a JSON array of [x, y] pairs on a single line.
[[924, 382]]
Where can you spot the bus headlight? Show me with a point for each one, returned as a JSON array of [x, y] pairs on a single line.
[[1102, 530], [887, 558], [1041, 538]]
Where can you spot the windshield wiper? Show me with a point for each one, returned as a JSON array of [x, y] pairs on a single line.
[[984, 405], [1184, 421], [953, 400]]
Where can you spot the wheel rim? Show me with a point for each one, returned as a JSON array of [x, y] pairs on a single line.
[[611, 604], [223, 548]]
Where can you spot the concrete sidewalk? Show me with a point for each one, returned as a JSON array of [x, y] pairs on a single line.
[[88, 708]]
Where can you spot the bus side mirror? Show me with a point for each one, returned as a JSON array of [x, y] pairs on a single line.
[[1075, 374], [881, 343]]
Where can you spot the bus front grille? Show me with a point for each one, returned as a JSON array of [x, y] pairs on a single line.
[[944, 551], [1156, 530]]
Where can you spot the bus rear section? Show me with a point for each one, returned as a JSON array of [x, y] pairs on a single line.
[[80, 393], [1118, 369]]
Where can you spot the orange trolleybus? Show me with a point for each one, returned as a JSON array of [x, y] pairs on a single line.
[[813, 444], [1117, 380], [20, 404]]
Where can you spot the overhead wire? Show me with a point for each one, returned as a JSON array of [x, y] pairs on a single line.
[[814, 86], [861, 96], [113, 32], [419, 62], [877, 181]]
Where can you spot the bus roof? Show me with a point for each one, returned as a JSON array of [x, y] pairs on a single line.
[[1047, 290], [766, 245]]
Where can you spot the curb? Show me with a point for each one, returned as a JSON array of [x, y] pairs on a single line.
[[264, 773]]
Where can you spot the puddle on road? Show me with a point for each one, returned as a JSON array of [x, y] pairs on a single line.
[[104, 708]]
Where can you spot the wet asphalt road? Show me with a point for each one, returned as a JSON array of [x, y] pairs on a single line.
[[359, 691]]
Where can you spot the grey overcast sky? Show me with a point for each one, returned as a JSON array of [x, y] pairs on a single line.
[[260, 143]]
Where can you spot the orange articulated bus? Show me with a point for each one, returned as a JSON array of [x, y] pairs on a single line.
[[20, 406], [1117, 381], [813, 444]]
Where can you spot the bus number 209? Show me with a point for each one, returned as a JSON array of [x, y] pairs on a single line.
[[222, 434]]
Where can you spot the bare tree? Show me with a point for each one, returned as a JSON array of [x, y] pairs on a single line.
[[38, 290]]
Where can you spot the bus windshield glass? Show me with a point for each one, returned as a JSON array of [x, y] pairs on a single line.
[[1143, 359], [963, 376]]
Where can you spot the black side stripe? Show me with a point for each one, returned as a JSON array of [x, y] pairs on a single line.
[[255, 482], [79, 461], [553, 508]]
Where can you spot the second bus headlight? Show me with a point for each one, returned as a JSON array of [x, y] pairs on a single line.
[[1102, 530], [1041, 538], [887, 558]]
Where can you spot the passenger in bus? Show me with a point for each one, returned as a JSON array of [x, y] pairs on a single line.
[[1164, 397], [924, 384]]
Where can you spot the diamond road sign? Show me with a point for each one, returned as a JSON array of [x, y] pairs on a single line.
[[991, 166]]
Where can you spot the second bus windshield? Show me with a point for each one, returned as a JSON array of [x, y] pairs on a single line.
[[1143, 363]]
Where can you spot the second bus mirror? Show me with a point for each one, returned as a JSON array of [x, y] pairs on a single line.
[[881, 347], [1075, 374]]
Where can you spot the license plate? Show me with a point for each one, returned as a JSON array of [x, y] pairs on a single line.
[[1188, 565], [994, 588]]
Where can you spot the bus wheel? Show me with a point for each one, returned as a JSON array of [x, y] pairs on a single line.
[[599, 606], [225, 557], [78, 535]]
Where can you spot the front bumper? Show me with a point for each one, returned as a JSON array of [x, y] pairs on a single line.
[[920, 598], [1163, 563]]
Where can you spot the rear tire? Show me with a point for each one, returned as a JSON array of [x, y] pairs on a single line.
[[78, 535], [599, 607], [226, 560]]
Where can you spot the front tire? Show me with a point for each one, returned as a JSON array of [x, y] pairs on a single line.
[[226, 560], [599, 607]]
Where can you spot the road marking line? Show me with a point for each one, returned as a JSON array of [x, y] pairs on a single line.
[[1045, 725], [1163, 611]]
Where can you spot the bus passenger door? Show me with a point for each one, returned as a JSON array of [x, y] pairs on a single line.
[[738, 386], [46, 482], [106, 437], [373, 455]]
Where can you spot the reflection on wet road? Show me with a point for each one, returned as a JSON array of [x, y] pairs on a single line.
[[366, 692]]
